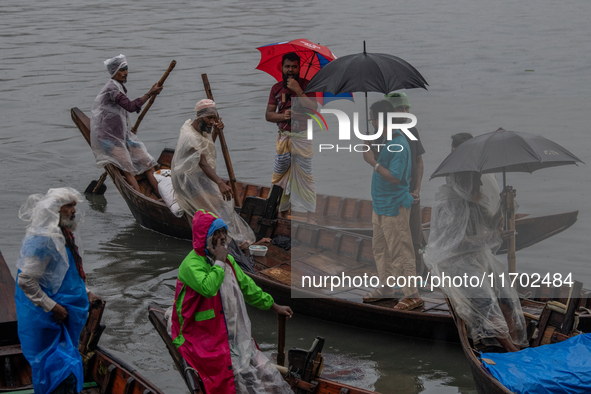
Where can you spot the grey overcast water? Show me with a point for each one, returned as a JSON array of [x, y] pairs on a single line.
[[523, 66]]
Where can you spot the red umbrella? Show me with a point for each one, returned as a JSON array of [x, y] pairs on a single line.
[[312, 57]]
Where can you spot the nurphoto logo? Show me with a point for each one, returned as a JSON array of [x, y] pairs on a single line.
[[402, 121]]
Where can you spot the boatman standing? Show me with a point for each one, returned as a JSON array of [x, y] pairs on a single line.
[[194, 178], [210, 324], [111, 138], [51, 297], [292, 169]]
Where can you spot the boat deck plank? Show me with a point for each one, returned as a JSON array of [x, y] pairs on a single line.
[[7, 287]]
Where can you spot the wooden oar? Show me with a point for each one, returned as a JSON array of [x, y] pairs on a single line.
[[98, 187], [225, 150], [281, 339], [153, 98]]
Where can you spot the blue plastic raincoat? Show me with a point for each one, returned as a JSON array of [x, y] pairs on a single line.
[[51, 347]]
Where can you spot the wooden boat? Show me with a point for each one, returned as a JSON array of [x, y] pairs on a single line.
[[104, 373], [316, 385], [335, 212], [555, 322], [334, 243]]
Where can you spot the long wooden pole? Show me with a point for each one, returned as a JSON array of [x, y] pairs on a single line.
[[153, 98], [510, 206], [225, 150], [281, 340]]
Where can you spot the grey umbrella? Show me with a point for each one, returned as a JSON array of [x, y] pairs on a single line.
[[506, 151], [366, 72]]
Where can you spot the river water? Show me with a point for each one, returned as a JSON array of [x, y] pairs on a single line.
[[518, 65]]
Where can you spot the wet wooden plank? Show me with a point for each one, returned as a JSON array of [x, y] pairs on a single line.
[[7, 287], [279, 274]]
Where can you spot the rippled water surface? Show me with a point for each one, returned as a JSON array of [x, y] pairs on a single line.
[[523, 66]]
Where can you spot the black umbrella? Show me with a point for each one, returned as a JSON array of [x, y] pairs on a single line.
[[366, 72], [506, 151]]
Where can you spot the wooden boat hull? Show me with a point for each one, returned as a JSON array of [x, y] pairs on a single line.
[[485, 382], [553, 324], [149, 212], [194, 383], [433, 326], [104, 373], [345, 228], [335, 212]]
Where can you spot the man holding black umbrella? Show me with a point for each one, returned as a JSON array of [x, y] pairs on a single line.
[[297, 183]]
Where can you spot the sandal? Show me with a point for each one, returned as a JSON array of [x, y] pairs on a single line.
[[408, 304], [376, 296]]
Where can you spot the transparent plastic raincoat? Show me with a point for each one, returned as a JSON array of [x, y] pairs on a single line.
[[51, 348], [194, 190], [463, 238], [111, 138]]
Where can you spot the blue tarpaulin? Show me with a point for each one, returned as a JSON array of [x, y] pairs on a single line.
[[563, 367]]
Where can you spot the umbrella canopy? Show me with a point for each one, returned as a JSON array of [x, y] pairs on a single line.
[[505, 151], [366, 72], [312, 57]]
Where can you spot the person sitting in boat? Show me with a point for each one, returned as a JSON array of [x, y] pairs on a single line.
[[210, 324], [466, 230], [194, 178], [111, 138], [51, 297]]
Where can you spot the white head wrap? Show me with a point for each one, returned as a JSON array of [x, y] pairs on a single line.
[[113, 65], [206, 107], [42, 211]]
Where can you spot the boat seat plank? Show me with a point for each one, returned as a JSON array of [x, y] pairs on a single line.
[[7, 287], [277, 252], [10, 350], [279, 274], [328, 264], [267, 261], [346, 263], [369, 269]]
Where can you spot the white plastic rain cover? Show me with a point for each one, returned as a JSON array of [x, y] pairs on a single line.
[[463, 237], [194, 190], [111, 138], [253, 372]]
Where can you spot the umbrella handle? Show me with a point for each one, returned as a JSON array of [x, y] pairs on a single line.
[[510, 208]]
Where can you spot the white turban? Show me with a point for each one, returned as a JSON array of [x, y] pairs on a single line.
[[114, 64], [42, 211], [206, 107]]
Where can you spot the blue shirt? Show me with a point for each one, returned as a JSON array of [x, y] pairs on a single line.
[[387, 197]]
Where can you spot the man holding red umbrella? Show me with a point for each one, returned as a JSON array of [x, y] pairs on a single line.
[[297, 183]]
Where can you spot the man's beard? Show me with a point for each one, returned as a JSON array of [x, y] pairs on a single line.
[[286, 76], [202, 127], [69, 223]]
